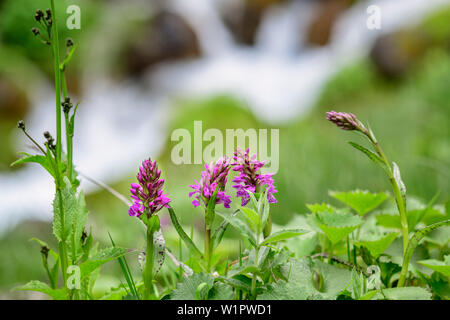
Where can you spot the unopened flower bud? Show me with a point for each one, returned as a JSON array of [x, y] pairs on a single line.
[[346, 121]]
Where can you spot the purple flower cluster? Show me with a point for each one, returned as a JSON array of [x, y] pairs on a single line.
[[249, 178], [214, 176], [147, 193], [346, 121]]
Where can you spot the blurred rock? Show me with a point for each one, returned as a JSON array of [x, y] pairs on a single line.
[[167, 37], [13, 101], [243, 17], [320, 29], [393, 54]]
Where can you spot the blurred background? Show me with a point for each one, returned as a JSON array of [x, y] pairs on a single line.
[[145, 68]]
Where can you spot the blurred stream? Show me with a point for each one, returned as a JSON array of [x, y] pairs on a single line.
[[279, 77]]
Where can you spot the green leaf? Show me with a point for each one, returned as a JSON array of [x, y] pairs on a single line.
[[63, 219], [404, 293], [35, 285], [335, 279], [221, 291], [265, 208], [360, 201], [377, 247], [283, 235], [315, 208], [335, 225], [79, 221], [99, 259], [414, 241], [372, 155], [252, 218], [243, 229], [438, 266], [187, 241], [187, 289], [299, 286], [40, 159]]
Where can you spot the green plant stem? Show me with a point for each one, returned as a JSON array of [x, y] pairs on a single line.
[[398, 196], [148, 269], [253, 293], [55, 46], [208, 248]]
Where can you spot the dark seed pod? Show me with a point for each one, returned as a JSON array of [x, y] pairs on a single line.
[[39, 15], [21, 125], [35, 31], [69, 42]]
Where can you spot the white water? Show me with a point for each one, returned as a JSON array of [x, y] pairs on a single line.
[[119, 124]]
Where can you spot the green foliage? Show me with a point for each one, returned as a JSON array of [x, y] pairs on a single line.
[[361, 201], [100, 258], [409, 293], [377, 247], [442, 267], [336, 225], [57, 294]]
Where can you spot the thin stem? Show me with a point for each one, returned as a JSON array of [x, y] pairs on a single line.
[[398, 196], [208, 249], [148, 269], [253, 293], [55, 46]]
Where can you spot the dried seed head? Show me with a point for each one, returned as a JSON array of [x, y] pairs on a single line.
[[50, 141], [67, 105], [39, 15], [45, 250], [35, 31], [69, 42], [21, 125], [48, 14]]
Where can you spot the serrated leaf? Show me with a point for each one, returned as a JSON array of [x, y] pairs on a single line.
[[283, 235], [317, 207], [377, 247], [79, 221], [221, 291], [186, 290], [438, 266], [243, 229], [337, 226], [361, 201], [63, 219], [99, 259], [35, 285]]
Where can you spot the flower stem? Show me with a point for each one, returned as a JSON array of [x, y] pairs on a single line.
[[208, 248], [401, 205], [253, 293], [55, 46], [148, 269]]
